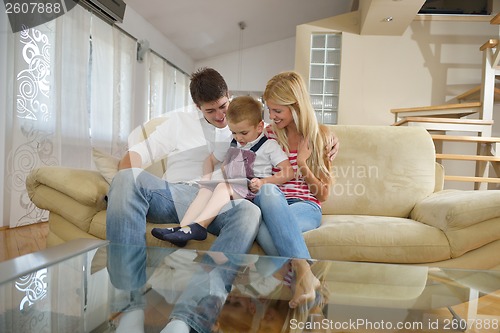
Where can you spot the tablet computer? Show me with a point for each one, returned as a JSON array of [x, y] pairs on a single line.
[[214, 182]]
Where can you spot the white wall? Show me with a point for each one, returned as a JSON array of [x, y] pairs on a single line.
[[430, 64], [259, 64]]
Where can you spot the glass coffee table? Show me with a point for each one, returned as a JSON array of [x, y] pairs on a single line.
[[93, 286]]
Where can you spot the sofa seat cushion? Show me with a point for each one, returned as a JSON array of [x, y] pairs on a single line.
[[377, 239]]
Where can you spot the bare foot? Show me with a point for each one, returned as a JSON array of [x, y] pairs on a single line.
[[306, 283]]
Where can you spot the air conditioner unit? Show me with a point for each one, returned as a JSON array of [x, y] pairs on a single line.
[[111, 10]]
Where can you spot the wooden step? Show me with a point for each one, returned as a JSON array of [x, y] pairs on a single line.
[[456, 110], [447, 124], [472, 179], [467, 157], [444, 121], [463, 138], [491, 43]]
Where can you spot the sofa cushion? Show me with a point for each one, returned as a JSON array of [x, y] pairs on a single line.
[[105, 163], [473, 237], [455, 210], [377, 239], [470, 219], [380, 173]]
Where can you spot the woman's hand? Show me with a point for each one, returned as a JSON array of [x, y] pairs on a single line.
[[303, 151], [255, 184], [332, 147]]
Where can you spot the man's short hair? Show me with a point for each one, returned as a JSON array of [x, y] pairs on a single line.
[[207, 85]]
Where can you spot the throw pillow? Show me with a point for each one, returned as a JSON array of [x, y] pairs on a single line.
[[106, 164]]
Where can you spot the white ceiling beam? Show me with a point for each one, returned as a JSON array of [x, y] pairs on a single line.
[[387, 17]]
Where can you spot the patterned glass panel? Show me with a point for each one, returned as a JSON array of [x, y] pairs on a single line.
[[324, 77]]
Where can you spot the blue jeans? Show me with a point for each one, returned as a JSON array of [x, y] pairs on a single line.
[[284, 222], [136, 195]]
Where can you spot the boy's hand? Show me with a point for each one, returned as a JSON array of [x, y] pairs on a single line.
[[303, 152], [255, 184]]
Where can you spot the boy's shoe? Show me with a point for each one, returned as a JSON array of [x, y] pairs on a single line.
[[160, 232], [184, 234]]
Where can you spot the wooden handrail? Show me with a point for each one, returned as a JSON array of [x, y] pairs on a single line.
[[495, 19], [469, 92], [475, 90]]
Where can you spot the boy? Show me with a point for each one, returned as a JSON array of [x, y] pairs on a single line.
[[251, 157]]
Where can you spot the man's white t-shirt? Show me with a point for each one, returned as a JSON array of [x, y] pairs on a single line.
[[186, 139]]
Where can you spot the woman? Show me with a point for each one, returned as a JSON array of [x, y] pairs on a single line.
[[295, 207]]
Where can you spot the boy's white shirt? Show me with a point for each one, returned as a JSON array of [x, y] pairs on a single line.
[[268, 155]]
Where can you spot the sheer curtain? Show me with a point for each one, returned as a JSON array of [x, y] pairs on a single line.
[[70, 88], [112, 71], [168, 87], [44, 106]]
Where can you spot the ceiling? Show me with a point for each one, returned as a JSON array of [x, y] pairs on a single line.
[[207, 28]]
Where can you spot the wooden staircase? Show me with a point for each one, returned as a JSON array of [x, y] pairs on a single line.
[[448, 122]]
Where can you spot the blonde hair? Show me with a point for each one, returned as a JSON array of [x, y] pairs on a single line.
[[289, 89], [244, 108]]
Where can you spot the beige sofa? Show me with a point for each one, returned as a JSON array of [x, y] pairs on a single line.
[[387, 205]]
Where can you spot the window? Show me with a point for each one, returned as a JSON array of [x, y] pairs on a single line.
[[324, 77], [168, 87]]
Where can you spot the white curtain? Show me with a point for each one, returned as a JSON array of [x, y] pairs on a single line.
[[113, 62], [169, 87], [43, 106], [70, 88]]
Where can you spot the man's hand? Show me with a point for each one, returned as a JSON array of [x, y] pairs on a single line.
[[332, 147]]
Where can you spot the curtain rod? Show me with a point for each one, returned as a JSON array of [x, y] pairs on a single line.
[[153, 51], [168, 62], [134, 38]]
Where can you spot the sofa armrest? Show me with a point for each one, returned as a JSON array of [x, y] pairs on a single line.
[[85, 186], [75, 195], [454, 209]]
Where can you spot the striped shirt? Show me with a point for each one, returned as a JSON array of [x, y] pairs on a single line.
[[296, 188]]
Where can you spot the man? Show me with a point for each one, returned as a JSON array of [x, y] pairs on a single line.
[[186, 138]]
